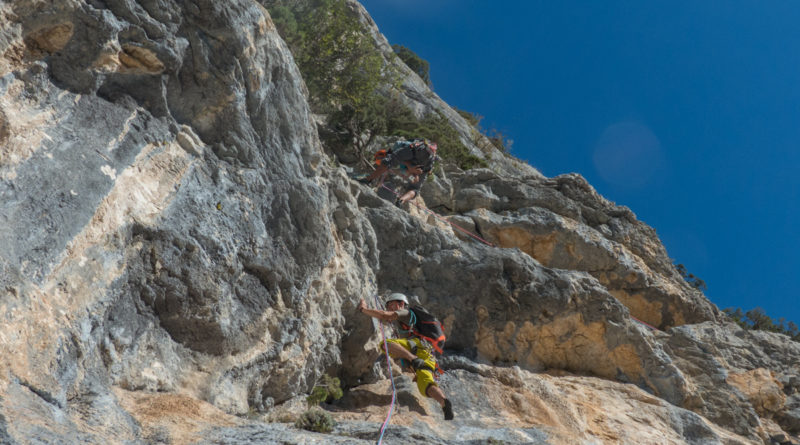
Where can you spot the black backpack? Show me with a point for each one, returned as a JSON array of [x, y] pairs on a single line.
[[427, 327], [423, 155]]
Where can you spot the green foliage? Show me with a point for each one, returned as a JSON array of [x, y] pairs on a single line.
[[328, 390], [345, 73], [694, 281], [737, 316], [496, 138], [472, 118], [757, 319], [349, 81], [415, 62], [316, 420], [338, 59], [284, 20], [499, 140]]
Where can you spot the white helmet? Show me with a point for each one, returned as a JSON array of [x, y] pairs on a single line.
[[396, 297]]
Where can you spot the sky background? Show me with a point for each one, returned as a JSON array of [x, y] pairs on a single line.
[[687, 112]]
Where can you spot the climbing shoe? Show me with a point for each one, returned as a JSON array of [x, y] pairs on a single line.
[[447, 409]]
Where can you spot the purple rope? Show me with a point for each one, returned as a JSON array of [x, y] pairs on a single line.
[[391, 377]]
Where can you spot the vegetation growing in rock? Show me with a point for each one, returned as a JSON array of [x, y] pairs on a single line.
[[328, 390], [472, 118], [284, 20], [496, 138], [343, 69], [349, 82], [757, 319], [339, 61], [316, 420], [694, 281], [414, 62]]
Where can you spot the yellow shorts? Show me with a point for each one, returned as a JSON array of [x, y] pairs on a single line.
[[424, 376]]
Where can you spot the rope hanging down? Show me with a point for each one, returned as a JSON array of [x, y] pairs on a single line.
[[391, 377], [442, 219], [653, 328]]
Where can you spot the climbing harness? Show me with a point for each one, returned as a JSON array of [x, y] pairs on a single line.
[[391, 378], [440, 218], [422, 324]]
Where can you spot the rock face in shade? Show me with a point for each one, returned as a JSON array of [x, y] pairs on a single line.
[[180, 261]]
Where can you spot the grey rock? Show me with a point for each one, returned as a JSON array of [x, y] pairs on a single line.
[[565, 224], [220, 247], [171, 224], [363, 432], [714, 398], [504, 304], [789, 419]]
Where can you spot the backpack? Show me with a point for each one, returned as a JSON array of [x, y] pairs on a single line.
[[427, 327], [380, 154], [422, 153]]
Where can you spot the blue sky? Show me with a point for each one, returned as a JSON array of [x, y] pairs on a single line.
[[688, 112]]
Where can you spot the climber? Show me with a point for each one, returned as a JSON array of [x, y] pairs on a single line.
[[411, 348], [412, 160]]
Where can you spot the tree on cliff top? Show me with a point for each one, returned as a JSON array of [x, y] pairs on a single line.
[[757, 319], [416, 63], [346, 75], [350, 82]]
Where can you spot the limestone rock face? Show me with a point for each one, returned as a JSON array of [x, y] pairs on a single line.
[[167, 225], [563, 223], [180, 262], [752, 374]]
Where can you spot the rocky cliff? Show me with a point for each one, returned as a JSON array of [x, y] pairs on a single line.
[[181, 257]]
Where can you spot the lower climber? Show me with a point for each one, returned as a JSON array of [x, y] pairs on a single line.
[[411, 348]]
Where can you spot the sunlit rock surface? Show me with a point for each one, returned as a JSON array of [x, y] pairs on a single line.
[[180, 261]]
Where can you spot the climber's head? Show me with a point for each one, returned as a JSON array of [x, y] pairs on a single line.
[[396, 301]]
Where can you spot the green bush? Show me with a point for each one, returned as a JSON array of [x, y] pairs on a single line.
[[694, 281], [472, 118], [328, 390], [496, 138], [757, 319], [316, 420], [346, 75], [415, 62], [285, 22], [337, 57], [349, 81], [500, 140]]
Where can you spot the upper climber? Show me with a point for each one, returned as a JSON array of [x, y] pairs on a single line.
[[415, 347], [412, 160]]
